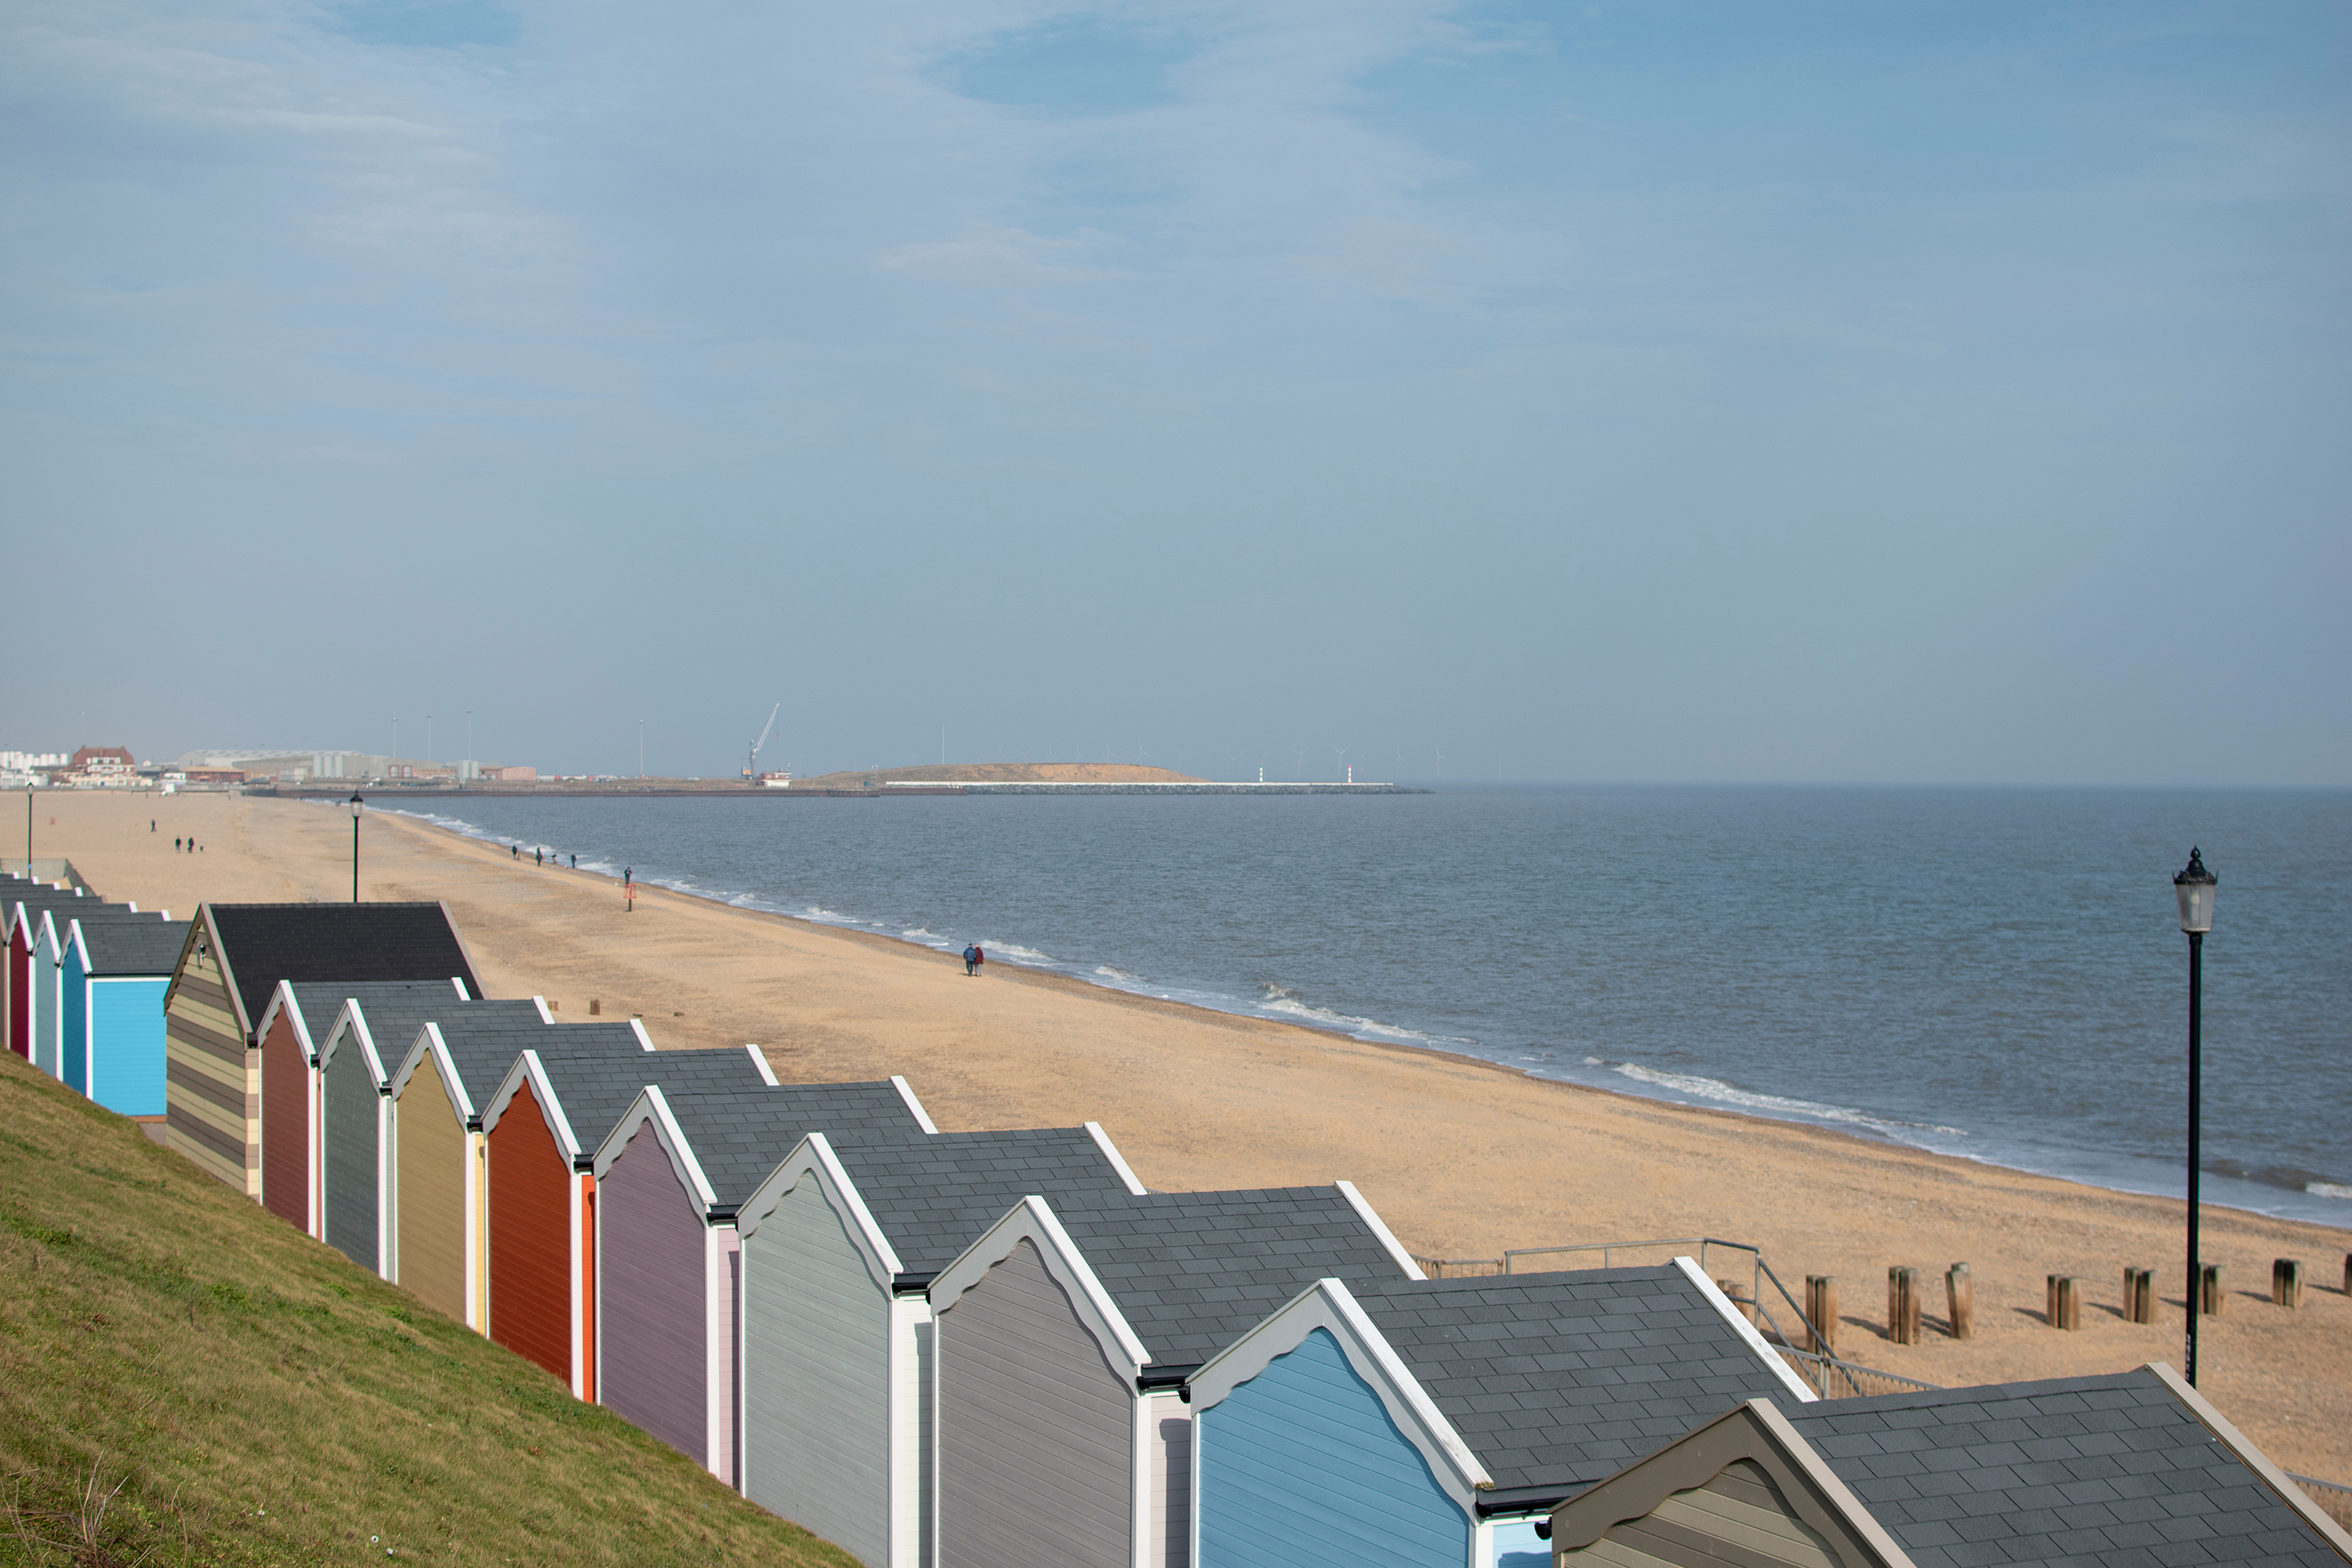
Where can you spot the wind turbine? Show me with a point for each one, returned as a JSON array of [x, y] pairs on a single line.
[[1339, 759], [1441, 759]]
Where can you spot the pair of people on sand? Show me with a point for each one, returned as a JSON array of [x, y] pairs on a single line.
[[973, 958]]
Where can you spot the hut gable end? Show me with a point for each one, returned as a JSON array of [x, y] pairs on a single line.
[[650, 1296], [1035, 1427], [817, 1374]]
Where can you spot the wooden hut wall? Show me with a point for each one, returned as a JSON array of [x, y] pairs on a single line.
[[428, 1194], [73, 1019], [1304, 1462], [353, 1166], [1036, 1431], [816, 1376], [18, 970], [1739, 1517], [126, 1044], [286, 1121], [651, 1306], [42, 1044], [531, 1229], [211, 1094]]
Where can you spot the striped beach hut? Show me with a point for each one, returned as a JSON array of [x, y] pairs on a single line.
[[115, 972], [378, 1019], [1427, 1424], [671, 1176], [838, 1246], [2128, 1468], [23, 916], [235, 957], [1062, 1338], [540, 1130], [434, 1191]]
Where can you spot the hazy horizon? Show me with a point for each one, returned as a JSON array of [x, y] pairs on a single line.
[[1664, 392]]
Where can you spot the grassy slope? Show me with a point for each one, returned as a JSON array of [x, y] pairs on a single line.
[[262, 1401]]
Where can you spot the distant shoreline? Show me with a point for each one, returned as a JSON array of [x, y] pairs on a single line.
[[666, 789]]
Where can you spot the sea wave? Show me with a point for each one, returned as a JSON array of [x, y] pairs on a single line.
[[917, 933], [1015, 952], [1109, 973], [2327, 1190], [1722, 1093], [1283, 1000]]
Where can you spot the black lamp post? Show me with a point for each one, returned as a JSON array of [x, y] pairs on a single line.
[[357, 806], [2195, 886]]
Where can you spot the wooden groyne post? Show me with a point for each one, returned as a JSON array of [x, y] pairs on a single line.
[[1960, 1296], [2286, 1282], [2210, 1298], [2064, 1297], [1821, 1311], [1902, 1305], [2140, 1295]]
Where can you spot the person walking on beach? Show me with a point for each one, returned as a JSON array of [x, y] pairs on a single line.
[[970, 957], [539, 859], [979, 957], [515, 850]]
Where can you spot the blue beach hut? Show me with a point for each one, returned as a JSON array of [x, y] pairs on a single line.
[[1426, 1424], [113, 974]]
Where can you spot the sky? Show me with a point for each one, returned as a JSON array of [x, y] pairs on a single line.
[[1804, 393]]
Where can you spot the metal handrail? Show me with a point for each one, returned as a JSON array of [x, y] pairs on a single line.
[[1758, 1272], [1813, 1364], [2334, 1498]]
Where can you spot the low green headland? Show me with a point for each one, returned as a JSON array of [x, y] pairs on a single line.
[[185, 1380]]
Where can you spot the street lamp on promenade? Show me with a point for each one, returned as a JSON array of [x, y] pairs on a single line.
[[2194, 886], [357, 806]]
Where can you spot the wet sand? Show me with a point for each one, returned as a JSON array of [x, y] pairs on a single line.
[[1463, 1158]]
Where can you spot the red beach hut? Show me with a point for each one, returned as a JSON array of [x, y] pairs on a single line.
[[541, 1128]]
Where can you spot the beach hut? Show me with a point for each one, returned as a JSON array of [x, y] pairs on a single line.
[[1062, 1340], [378, 1019], [54, 937], [433, 1190], [541, 1130], [2129, 1467], [235, 957], [293, 1030], [26, 908], [1397, 1424], [838, 1246], [671, 1176], [114, 975]]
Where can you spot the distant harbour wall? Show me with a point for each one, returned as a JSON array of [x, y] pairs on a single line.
[[1078, 787]]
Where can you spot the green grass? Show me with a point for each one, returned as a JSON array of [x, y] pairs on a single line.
[[186, 1380]]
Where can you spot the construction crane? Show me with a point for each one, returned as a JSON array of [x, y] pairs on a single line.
[[751, 759]]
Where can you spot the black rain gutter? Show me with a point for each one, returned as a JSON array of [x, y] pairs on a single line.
[[1154, 1377], [1529, 1499], [912, 1284]]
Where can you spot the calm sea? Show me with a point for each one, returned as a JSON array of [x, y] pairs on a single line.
[[1990, 973]]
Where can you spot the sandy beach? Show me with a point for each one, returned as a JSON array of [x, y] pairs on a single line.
[[1463, 1158]]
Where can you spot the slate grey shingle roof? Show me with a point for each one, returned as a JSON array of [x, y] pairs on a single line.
[[2108, 1470], [267, 943], [395, 1011], [1191, 1272], [483, 1040], [25, 905], [143, 945], [596, 1077], [738, 1138], [1564, 1379], [936, 1197]]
